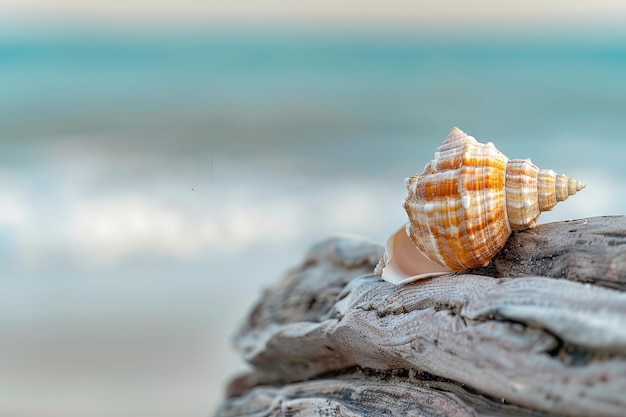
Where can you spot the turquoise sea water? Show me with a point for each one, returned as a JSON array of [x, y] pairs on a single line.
[[268, 91], [152, 183]]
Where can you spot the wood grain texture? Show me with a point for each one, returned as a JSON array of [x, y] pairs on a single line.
[[331, 335], [586, 250], [370, 394]]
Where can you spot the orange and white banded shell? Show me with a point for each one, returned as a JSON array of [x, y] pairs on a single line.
[[465, 205]]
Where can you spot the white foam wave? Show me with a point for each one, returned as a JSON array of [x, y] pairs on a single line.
[[109, 228]]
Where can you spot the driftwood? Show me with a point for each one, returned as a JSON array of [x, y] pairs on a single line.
[[331, 339]]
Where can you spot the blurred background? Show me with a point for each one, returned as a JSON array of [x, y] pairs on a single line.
[[163, 162]]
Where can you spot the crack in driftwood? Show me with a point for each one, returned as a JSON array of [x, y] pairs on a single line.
[[550, 346]]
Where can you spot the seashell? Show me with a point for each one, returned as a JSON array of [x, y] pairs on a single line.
[[464, 206]]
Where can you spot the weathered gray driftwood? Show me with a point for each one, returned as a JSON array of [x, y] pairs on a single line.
[[331, 339]]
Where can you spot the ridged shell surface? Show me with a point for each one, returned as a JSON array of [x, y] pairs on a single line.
[[457, 207], [465, 205]]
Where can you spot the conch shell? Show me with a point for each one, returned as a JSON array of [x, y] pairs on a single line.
[[464, 206]]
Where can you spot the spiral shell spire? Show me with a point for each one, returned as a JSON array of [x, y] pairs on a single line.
[[530, 190]]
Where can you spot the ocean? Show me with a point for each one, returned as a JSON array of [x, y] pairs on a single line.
[[152, 183]]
